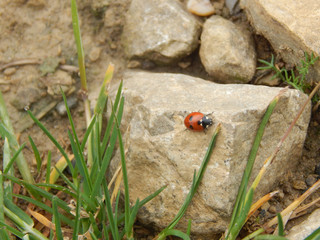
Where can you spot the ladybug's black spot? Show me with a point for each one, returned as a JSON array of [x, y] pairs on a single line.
[[190, 127], [190, 118]]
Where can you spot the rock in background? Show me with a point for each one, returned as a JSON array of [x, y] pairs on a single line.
[[162, 152], [160, 31], [292, 27], [227, 51]]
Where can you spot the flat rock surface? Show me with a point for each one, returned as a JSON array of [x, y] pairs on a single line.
[[162, 152]]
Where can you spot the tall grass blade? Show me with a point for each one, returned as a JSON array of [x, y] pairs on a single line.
[[251, 159], [46, 208], [36, 154], [15, 156], [280, 225], [88, 132], [53, 140], [270, 237], [56, 218], [111, 118], [80, 163], [77, 217], [3, 234], [77, 37], [6, 123], [12, 230], [48, 168], [113, 224], [108, 154], [7, 185]]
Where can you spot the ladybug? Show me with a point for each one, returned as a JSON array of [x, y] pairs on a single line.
[[197, 121]]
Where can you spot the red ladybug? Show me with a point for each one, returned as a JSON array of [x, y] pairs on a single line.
[[197, 121]]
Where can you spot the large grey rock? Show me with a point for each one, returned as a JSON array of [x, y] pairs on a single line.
[[161, 31], [305, 228], [292, 27], [162, 152], [227, 51]]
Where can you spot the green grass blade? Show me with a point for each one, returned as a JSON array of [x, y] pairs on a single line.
[[124, 174], [7, 185], [80, 163], [18, 212], [113, 224], [48, 168], [177, 233], [251, 160], [241, 219], [189, 227], [93, 236], [12, 230], [254, 234], [116, 208], [280, 225], [108, 154], [46, 208], [77, 218], [120, 218], [315, 235], [40, 191], [15, 156], [270, 237], [88, 131], [66, 180], [56, 218], [53, 140], [3, 233], [103, 94], [111, 118], [6, 123], [36, 154], [77, 36], [58, 187], [133, 215], [105, 164]]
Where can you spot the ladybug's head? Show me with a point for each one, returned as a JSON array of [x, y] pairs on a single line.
[[206, 122]]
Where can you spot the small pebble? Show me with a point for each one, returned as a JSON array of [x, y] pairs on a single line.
[[94, 54], [5, 89], [134, 64], [299, 185], [272, 209], [61, 108], [113, 46], [311, 179], [184, 65], [281, 195], [200, 7], [9, 71], [265, 206]]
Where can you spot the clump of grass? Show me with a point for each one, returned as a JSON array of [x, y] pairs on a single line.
[[298, 82], [245, 195]]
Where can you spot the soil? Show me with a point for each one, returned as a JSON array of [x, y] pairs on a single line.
[[39, 32]]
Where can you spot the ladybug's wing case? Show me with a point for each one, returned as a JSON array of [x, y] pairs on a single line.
[[193, 121]]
